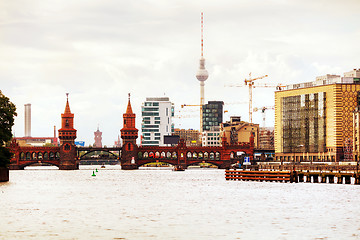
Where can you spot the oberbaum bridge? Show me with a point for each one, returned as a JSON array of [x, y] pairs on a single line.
[[67, 156]]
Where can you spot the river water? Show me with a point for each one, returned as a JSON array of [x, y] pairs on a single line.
[[45, 203]]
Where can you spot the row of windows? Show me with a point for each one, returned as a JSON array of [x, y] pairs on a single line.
[[145, 109], [39, 155], [189, 155], [150, 113], [173, 155], [149, 134], [151, 126], [150, 142], [150, 130], [148, 104]]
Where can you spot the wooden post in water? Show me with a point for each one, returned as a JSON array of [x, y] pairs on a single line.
[[339, 179], [347, 180], [301, 177], [315, 178], [323, 178], [357, 178]]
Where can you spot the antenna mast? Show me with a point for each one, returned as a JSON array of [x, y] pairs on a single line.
[[202, 74]]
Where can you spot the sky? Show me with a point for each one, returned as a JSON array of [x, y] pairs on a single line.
[[99, 51]]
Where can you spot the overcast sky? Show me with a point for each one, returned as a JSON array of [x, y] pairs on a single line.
[[98, 51]]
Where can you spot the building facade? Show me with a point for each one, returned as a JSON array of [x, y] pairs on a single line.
[[212, 114], [211, 138], [314, 121], [156, 123], [237, 131], [266, 138], [190, 136]]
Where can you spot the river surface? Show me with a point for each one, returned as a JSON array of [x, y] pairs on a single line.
[[45, 203]]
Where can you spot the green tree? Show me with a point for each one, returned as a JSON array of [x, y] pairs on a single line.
[[7, 114]]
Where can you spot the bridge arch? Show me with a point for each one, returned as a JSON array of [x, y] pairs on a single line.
[[97, 150]]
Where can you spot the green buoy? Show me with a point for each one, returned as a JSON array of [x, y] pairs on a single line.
[[93, 174], [96, 170]]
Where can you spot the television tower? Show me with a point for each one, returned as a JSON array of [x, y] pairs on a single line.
[[202, 74]]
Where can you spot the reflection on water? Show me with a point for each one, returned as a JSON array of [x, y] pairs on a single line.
[[43, 203]]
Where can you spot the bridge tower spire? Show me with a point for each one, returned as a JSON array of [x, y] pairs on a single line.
[[129, 134], [67, 136]]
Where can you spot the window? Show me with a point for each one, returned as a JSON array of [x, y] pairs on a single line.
[[150, 130], [149, 109], [150, 114], [151, 126]]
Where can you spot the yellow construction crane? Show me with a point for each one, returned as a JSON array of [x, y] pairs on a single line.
[[262, 109], [189, 105], [250, 83]]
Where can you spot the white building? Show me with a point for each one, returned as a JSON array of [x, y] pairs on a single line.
[[211, 138], [156, 116]]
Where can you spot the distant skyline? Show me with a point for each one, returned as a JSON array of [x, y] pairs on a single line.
[[99, 51]]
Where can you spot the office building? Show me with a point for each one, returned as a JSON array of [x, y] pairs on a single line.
[[317, 121], [212, 114], [211, 138], [157, 116]]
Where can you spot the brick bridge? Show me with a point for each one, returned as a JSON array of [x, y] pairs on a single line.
[[67, 156]]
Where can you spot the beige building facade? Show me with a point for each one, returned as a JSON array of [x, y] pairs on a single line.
[[237, 131], [314, 121]]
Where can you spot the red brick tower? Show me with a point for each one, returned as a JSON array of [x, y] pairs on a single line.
[[98, 138], [67, 135], [129, 134]]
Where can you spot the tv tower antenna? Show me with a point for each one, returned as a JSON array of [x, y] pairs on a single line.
[[202, 74]]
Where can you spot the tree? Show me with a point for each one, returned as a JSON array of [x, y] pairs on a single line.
[[7, 114]]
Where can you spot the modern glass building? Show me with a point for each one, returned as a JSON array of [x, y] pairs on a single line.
[[212, 114], [157, 116], [314, 121]]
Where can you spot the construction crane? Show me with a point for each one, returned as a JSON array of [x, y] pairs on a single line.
[[250, 83], [262, 109], [189, 105]]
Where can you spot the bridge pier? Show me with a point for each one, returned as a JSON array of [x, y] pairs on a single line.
[[15, 167], [4, 174], [129, 166]]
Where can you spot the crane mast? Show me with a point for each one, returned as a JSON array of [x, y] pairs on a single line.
[[250, 82]]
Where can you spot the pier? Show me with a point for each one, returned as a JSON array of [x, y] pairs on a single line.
[[296, 176]]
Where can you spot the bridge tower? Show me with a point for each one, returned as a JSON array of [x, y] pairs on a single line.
[[129, 134], [67, 135]]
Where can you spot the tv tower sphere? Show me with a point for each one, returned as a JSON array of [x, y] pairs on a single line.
[[202, 74]]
